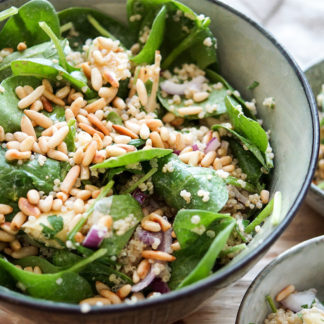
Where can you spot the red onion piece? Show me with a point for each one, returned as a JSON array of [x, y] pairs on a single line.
[[160, 286], [94, 237], [212, 145], [173, 88], [176, 152], [145, 282], [148, 237], [139, 195], [166, 242], [195, 147]]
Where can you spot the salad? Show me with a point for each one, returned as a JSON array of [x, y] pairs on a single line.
[[129, 166], [298, 307]]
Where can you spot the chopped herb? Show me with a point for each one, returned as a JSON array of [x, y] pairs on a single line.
[[271, 304], [253, 85]]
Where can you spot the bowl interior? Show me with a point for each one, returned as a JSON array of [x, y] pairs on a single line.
[[300, 266], [248, 54]]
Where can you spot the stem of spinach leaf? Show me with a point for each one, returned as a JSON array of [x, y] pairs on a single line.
[[8, 13], [80, 223], [66, 27], [233, 250], [101, 30], [276, 212], [271, 304], [141, 180], [47, 29]]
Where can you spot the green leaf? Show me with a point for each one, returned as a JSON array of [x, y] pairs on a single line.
[[247, 144], [194, 180], [132, 158], [70, 137], [114, 118], [64, 286], [85, 30], [137, 142], [33, 261], [146, 55], [120, 207], [245, 126], [188, 222], [57, 225], [197, 260], [44, 68], [8, 13], [253, 85], [24, 25], [241, 184], [18, 179]]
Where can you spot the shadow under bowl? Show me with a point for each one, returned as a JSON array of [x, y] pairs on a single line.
[[247, 53]]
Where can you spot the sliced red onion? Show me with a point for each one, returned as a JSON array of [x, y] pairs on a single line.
[[94, 237], [295, 300], [160, 286], [149, 237], [166, 242], [145, 282], [173, 88], [239, 196], [176, 152], [212, 145], [195, 147], [140, 196]]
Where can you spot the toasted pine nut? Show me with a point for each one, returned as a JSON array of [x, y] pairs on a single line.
[[95, 193], [58, 137], [164, 133], [108, 93], [14, 154], [264, 195], [144, 132], [13, 145], [168, 117], [18, 220], [20, 136], [217, 164], [208, 159], [78, 156], [165, 225], [36, 105], [153, 124], [114, 150], [86, 69], [63, 92], [175, 246], [25, 252], [84, 194], [57, 204], [57, 155], [5, 209], [85, 173], [229, 168], [119, 103], [28, 89], [79, 237], [124, 131], [151, 226], [63, 148], [143, 268], [46, 104], [124, 291], [70, 179], [111, 296], [15, 245], [27, 126], [27, 144], [177, 122], [45, 205], [78, 206], [122, 139], [90, 130], [2, 218], [37, 270], [200, 96], [97, 138], [193, 110], [6, 226], [141, 91], [36, 148], [28, 269], [6, 237], [47, 85], [62, 196], [76, 105], [20, 92], [285, 293], [68, 114], [110, 77], [95, 301], [136, 277], [133, 126], [89, 153], [101, 286], [158, 255], [96, 79], [42, 142], [98, 123], [156, 140], [225, 160], [21, 46], [50, 96], [96, 105], [33, 196], [106, 221], [32, 97]]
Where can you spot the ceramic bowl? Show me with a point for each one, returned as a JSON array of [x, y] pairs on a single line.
[[247, 53], [315, 76], [280, 273]]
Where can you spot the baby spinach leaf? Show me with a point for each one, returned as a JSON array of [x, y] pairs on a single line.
[[70, 137], [10, 114], [57, 225], [188, 222], [132, 158], [253, 85], [137, 142], [197, 260], [6, 280], [114, 118], [246, 127], [246, 144], [44, 68], [33, 261], [64, 286], [64, 258], [146, 55], [18, 179], [207, 190], [121, 208], [8, 13], [247, 162], [24, 25], [216, 100], [84, 29], [241, 184]]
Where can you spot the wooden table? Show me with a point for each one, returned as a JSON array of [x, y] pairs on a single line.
[[223, 309]]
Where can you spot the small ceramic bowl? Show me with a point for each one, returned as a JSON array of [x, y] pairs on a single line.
[[300, 266], [247, 53], [315, 76]]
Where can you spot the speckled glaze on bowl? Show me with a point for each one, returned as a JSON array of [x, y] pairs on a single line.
[[301, 266], [247, 53], [315, 77]]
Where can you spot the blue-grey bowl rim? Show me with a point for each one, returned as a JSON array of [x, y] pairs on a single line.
[[273, 263], [215, 278]]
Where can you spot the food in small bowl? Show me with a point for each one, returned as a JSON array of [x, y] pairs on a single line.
[[152, 140], [296, 303]]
